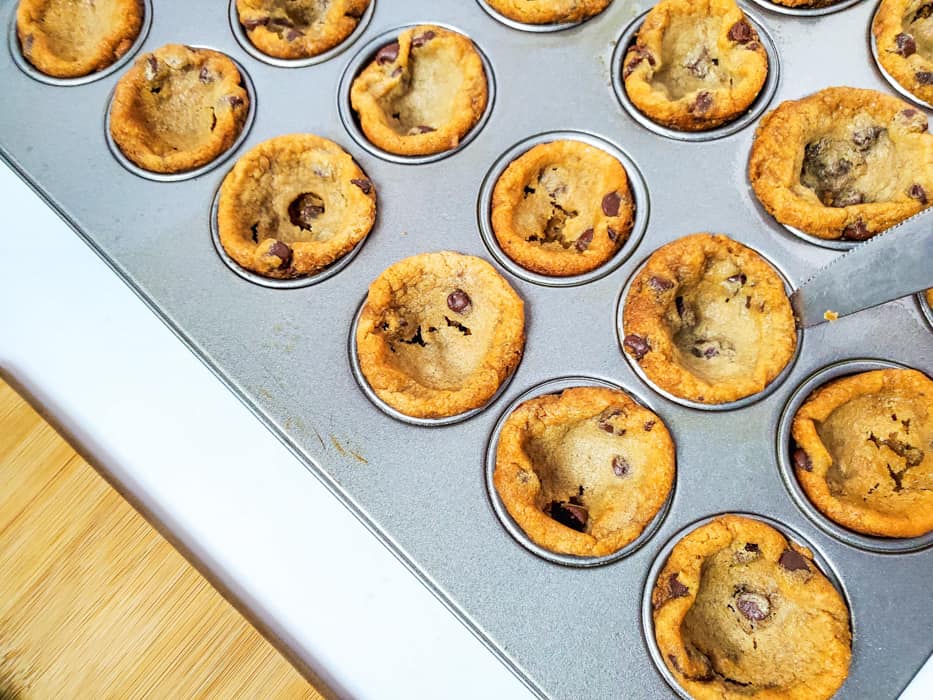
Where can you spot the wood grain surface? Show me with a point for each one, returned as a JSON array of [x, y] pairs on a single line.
[[94, 603]]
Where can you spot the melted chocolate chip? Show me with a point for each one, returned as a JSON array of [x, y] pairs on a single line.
[[679, 304], [924, 77], [659, 284], [676, 588], [422, 39], [649, 424], [204, 75], [752, 547], [906, 45], [741, 32], [802, 460], [364, 185], [153, 64], [423, 129], [752, 46], [304, 209], [611, 204], [283, 252], [636, 345], [583, 242], [865, 138], [793, 561], [572, 515], [620, 466], [637, 54], [235, 101], [740, 278], [388, 53], [701, 104], [613, 234], [458, 301], [856, 231], [917, 192], [293, 34], [753, 606], [251, 24]]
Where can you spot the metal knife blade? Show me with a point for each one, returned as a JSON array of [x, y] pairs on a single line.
[[888, 266]]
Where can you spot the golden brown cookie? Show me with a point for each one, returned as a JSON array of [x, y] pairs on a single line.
[[68, 39], [562, 208], [293, 29], [293, 205], [695, 64], [584, 471], [740, 612], [178, 108], [422, 93], [548, 11], [843, 163], [864, 452], [708, 320], [439, 333], [903, 32]]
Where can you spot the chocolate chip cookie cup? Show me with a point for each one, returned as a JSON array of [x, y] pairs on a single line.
[[573, 513], [767, 573], [243, 91], [637, 189], [627, 40], [734, 360], [242, 36], [543, 20], [791, 457], [16, 52], [910, 74], [381, 50], [803, 8]]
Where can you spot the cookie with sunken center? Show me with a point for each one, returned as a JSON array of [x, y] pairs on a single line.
[[66, 39], [741, 612], [864, 452], [708, 320], [294, 29], [903, 32], [584, 471], [562, 208], [548, 11], [422, 93], [695, 64], [178, 108], [439, 333], [293, 205], [843, 163]]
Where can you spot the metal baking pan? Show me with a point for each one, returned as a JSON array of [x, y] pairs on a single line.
[[567, 631]]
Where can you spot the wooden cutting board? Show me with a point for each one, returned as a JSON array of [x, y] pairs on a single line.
[[94, 603]]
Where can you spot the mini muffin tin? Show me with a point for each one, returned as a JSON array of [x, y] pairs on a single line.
[[566, 631]]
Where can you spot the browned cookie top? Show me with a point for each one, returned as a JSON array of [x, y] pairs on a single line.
[[548, 11]]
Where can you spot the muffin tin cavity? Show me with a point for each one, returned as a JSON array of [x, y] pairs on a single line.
[[24, 65], [636, 183], [527, 27], [757, 108], [647, 620], [731, 405], [785, 449], [240, 33], [246, 82], [365, 56], [555, 386]]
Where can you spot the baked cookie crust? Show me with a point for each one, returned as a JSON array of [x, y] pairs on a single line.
[[740, 612], [548, 11], [695, 64], [178, 108], [422, 93], [293, 205], [843, 163], [66, 39], [439, 333], [562, 208], [583, 472], [708, 320], [903, 32], [293, 29], [864, 452]]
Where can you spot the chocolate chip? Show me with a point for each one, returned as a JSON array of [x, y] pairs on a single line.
[[701, 104], [752, 46], [613, 234], [153, 64], [251, 24], [710, 352], [422, 39], [293, 34], [388, 53], [856, 231], [793, 560], [304, 209], [911, 120], [802, 460], [924, 77], [458, 301], [659, 284], [396, 73], [752, 547], [649, 424], [637, 345], [637, 54], [364, 185], [583, 242], [611, 204], [281, 22], [753, 606], [676, 588], [917, 192], [740, 278], [283, 252], [235, 101], [621, 467], [679, 304], [865, 138], [422, 129], [741, 32], [906, 46], [204, 75], [572, 515]]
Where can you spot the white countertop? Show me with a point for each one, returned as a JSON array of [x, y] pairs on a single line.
[[116, 380]]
